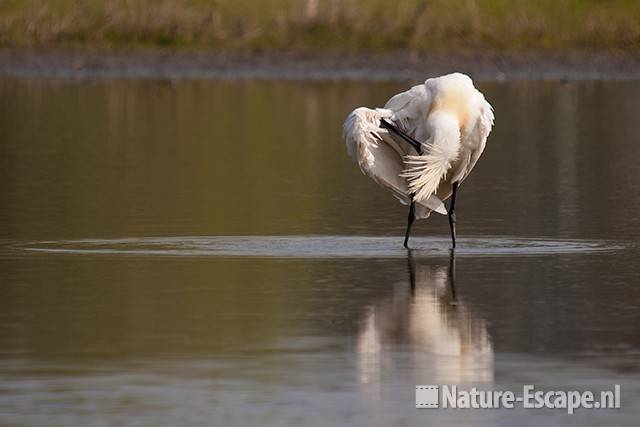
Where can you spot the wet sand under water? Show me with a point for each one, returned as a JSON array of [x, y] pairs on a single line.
[[489, 66]]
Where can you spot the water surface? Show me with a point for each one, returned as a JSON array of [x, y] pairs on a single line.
[[204, 253]]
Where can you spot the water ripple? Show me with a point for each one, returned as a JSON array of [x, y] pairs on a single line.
[[315, 246]]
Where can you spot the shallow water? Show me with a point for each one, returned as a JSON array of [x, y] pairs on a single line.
[[204, 253]]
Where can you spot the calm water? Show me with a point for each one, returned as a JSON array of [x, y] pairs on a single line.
[[204, 253]]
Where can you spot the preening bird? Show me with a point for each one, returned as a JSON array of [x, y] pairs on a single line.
[[423, 143]]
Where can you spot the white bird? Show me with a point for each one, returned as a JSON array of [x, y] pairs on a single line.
[[423, 143]]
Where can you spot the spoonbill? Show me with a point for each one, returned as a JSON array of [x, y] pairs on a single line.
[[423, 143]]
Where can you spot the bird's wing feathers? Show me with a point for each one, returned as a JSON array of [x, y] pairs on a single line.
[[362, 134], [480, 133], [475, 140], [380, 156], [410, 110]]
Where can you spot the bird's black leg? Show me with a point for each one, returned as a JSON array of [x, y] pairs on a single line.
[[452, 215], [411, 218]]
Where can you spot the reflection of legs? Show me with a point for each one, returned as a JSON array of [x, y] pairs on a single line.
[[412, 271], [452, 274], [411, 263], [410, 220], [452, 215]]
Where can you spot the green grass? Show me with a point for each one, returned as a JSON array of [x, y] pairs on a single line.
[[328, 25]]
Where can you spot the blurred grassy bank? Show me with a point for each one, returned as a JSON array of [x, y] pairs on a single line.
[[329, 25]]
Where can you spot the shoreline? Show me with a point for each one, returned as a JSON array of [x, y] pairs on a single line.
[[164, 65]]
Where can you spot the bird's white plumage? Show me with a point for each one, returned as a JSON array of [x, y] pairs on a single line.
[[450, 118]]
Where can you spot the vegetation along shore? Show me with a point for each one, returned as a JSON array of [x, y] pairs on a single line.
[[345, 26]]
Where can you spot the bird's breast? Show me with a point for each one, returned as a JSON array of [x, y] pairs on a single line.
[[452, 102]]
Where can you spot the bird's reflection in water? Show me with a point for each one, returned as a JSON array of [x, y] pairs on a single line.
[[426, 328]]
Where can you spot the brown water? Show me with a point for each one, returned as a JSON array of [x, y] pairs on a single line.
[[204, 253]]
